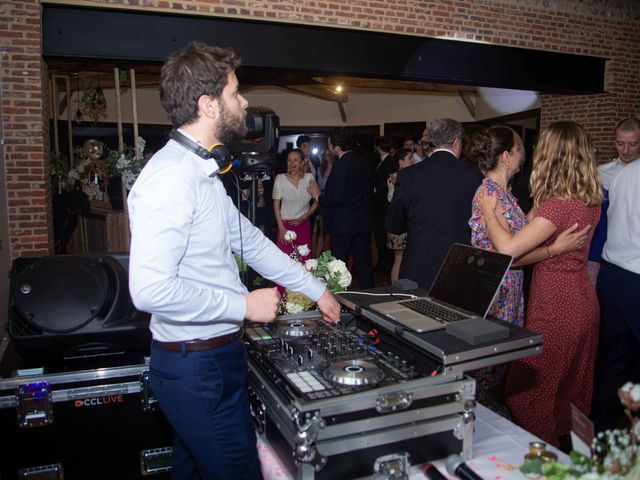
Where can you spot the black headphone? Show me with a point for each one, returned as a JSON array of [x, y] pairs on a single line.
[[221, 154]]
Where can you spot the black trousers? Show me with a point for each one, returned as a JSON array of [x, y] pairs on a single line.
[[385, 256], [618, 359], [359, 245]]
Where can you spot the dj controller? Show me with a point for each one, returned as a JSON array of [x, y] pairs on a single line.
[[312, 360]]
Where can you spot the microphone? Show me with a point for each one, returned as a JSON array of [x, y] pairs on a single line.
[[455, 466], [431, 472]]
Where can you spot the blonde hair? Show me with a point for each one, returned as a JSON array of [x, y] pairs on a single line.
[[564, 166]]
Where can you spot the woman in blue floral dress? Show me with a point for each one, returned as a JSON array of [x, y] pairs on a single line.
[[499, 153]]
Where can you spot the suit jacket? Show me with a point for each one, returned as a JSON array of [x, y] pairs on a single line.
[[380, 176], [346, 200], [432, 202]]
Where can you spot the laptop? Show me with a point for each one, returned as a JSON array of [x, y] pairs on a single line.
[[465, 287]]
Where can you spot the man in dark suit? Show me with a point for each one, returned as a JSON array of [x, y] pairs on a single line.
[[347, 205], [383, 169], [432, 202]]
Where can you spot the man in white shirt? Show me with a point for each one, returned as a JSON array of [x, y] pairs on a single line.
[[185, 231], [618, 284], [627, 141]]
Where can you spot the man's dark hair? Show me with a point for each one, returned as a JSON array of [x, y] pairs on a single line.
[[196, 70], [399, 155], [302, 139], [339, 137], [383, 143]]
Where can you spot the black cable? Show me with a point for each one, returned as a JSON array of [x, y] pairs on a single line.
[[244, 270]]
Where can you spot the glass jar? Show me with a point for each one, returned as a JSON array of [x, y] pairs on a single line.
[[548, 456], [536, 449]]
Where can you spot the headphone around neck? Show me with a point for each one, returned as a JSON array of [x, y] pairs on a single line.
[[221, 154]]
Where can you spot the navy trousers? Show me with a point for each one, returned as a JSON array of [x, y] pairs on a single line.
[[618, 359], [204, 397]]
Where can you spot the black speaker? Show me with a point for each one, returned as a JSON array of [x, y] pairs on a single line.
[[74, 308]]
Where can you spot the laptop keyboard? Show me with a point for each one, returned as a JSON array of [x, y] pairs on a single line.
[[433, 310]]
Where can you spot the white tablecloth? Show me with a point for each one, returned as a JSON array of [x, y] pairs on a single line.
[[499, 447]]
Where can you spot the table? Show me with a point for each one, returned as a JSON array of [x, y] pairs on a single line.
[[499, 447]]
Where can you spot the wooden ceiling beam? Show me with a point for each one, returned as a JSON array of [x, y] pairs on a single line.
[[468, 102], [318, 91]]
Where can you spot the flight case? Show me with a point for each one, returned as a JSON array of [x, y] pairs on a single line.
[[342, 402], [98, 423], [367, 398]]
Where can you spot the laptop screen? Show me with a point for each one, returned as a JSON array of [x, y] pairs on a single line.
[[469, 278]]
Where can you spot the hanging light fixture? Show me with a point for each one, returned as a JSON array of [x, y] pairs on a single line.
[[93, 103], [78, 116], [99, 100]]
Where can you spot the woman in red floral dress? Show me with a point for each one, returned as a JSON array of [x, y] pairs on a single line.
[[499, 153], [563, 306]]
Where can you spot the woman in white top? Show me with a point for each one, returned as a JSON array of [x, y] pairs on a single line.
[[293, 204]]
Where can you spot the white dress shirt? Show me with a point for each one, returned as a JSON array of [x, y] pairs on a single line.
[[184, 232], [622, 247], [608, 172]]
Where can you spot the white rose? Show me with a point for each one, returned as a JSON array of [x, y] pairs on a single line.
[[311, 265], [334, 266], [290, 235], [303, 250], [635, 392], [345, 279]]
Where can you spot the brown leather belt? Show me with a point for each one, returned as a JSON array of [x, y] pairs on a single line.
[[197, 345]]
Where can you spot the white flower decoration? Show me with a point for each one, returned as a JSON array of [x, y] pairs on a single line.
[[303, 250], [311, 265], [635, 393], [335, 266], [345, 279], [290, 236]]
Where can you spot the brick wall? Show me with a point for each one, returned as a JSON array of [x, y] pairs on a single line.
[[25, 116], [609, 28]]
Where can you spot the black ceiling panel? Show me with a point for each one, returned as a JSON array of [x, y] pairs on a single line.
[[139, 36]]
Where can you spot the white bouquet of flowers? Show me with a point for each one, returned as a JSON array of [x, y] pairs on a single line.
[[326, 268], [333, 272]]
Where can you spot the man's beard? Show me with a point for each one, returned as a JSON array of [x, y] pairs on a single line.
[[230, 127]]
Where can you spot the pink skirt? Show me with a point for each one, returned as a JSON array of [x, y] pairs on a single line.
[[303, 237]]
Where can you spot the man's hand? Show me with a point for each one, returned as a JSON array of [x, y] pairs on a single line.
[[314, 189], [329, 307], [262, 305]]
